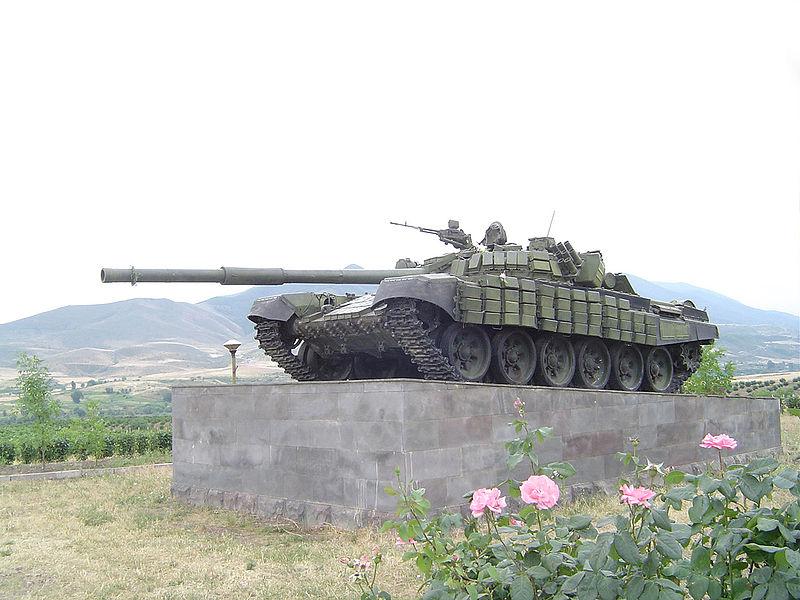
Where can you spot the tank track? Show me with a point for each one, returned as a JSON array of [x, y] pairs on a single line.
[[683, 370], [268, 336], [409, 332], [679, 377]]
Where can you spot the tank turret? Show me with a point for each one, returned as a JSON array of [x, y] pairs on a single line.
[[496, 312]]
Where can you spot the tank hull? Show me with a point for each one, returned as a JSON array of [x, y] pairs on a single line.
[[431, 326]]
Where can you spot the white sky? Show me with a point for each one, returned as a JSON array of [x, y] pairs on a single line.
[[197, 134]]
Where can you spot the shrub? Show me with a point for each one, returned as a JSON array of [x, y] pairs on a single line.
[[27, 450], [160, 441], [734, 545], [141, 442], [124, 443], [8, 453], [36, 402], [711, 377]]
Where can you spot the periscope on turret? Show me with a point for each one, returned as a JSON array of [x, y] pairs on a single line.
[[494, 312]]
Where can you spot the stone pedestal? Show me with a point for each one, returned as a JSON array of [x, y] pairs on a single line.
[[322, 452]]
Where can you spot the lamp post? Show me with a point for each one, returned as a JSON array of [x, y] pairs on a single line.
[[233, 346]]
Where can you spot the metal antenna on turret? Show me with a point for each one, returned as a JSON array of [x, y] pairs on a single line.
[[551, 224]]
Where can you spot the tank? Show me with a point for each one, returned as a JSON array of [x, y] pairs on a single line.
[[498, 312]]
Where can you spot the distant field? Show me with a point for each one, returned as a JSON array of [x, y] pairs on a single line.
[[132, 396]]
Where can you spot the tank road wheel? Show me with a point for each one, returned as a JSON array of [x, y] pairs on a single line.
[[335, 368], [468, 349], [513, 357], [658, 370], [366, 366], [556, 360], [593, 364], [627, 368]]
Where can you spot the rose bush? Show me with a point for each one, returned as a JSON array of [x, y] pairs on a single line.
[[738, 543]]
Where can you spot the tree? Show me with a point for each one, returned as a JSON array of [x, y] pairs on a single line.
[[95, 430], [712, 378], [35, 401]]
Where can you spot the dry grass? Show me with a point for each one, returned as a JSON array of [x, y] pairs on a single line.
[[124, 537]]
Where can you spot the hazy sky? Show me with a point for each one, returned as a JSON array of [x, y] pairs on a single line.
[[197, 134]]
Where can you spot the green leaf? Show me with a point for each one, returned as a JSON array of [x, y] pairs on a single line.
[[763, 548], [708, 484], [577, 522], [571, 583], [668, 546], [599, 555], [521, 588], [714, 590], [661, 519], [650, 591], [759, 592], [608, 588], [727, 490], [424, 564], [697, 586], [681, 532], [761, 575], [389, 491], [627, 548], [793, 558], [751, 488], [777, 590], [701, 559], [633, 590], [538, 572], [685, 492], [699, 507], [513, 460], [766, 524], [794, 585], [786, 479], [587, 589], [762, 466], [674, 477], [562, 469], [552, 561]]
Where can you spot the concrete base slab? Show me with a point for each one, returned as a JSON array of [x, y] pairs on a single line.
[[322, 452]]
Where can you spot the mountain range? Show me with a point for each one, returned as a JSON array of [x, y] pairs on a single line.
[[148, 336]]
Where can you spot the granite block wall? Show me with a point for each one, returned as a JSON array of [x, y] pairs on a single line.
[[322, 452]]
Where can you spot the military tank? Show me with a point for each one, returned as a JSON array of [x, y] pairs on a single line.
[[493, 312]]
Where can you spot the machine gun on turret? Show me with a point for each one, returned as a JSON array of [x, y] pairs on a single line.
[[453, 235]]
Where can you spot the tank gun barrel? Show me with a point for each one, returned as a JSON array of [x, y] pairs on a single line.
[[245, 276]]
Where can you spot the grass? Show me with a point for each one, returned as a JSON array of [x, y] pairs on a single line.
[[124, 537]]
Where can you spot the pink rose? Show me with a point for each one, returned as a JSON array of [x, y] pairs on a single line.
[[720, 442], [633, 496], [518, 404], [540, 490], [516, 522], [485, 498]]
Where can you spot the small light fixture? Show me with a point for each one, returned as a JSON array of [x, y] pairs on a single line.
[[233, 346]]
